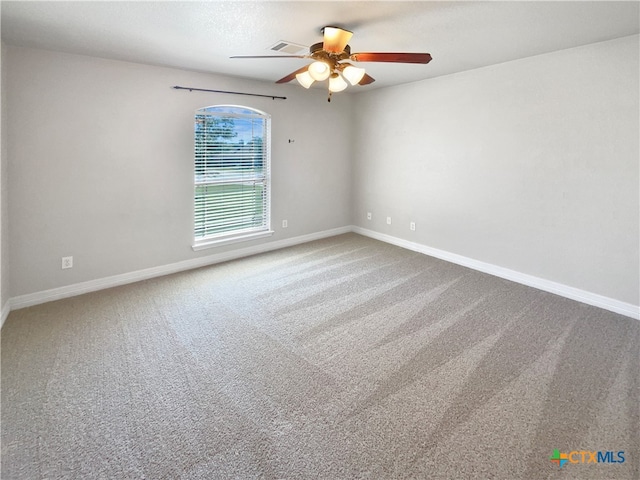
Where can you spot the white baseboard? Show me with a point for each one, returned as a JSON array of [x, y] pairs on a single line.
[[36, 298], [6, 308], [583, 296]]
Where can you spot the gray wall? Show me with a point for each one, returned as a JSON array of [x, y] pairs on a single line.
[[530, 165], [4, 213], [101, 164]]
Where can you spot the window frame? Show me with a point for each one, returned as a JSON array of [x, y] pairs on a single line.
[[240, 234]]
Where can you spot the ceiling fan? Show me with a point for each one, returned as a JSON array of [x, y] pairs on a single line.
[[331, 61]]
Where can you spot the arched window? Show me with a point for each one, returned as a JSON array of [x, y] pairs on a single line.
[[232, 182]]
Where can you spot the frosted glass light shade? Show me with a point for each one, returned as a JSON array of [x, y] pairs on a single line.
[[353, 74], [305, 79], [335, 39], [337, 83], [319, 71]]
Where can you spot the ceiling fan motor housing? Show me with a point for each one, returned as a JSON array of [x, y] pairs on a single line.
[[317, 52]]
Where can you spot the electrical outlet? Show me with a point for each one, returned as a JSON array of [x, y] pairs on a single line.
[[67, 262], [412, 226], [285, 224], [368, 215], [388, 220]]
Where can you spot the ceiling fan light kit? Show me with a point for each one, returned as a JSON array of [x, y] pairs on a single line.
[[353, 74], [329, 62], [335, 39], [305, 79], [319, 71], [336, 83]]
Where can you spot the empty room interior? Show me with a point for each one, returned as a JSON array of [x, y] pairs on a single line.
[[335, 240]]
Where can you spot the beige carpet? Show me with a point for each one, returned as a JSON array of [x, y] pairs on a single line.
[[340, 358]]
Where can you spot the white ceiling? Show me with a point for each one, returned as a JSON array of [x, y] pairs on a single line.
[[202, 36]]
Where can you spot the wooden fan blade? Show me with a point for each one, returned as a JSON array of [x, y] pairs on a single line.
[[392, 57], [366, 80], [269, 56], [335, 39], [292, 75]]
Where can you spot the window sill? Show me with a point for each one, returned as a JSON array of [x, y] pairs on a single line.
[[204, 244]]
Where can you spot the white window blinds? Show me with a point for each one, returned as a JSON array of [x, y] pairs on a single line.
[[231, 172]]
